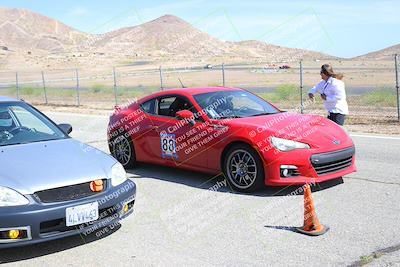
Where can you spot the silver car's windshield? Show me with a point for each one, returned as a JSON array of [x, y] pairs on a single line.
[[21, 124]]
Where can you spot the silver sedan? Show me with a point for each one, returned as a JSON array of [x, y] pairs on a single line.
[[51, 185]]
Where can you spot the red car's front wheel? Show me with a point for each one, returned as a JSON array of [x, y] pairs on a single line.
[[243, 168]]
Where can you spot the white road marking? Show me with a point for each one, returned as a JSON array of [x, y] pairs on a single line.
[[76, 114], [376, 136]]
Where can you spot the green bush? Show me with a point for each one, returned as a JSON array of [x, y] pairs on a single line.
[[25, 91], [99, 88], [282, 93], [138, 91], [61, 92], [11, 91], [31, 91], [270, 97], [380, 97], [287, 92]]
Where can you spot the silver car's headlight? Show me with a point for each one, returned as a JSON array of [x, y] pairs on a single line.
[[287, 145], [9, 197], [118, 174]]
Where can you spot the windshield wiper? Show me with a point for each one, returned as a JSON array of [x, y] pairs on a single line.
[[262, 114], [230, 117], [12, 144]]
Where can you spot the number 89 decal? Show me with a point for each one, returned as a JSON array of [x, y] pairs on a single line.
[[168, 145]]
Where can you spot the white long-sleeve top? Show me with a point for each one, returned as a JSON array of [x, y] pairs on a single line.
[[335, 92]]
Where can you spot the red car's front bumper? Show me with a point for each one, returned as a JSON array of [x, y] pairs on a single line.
[[311, 167]]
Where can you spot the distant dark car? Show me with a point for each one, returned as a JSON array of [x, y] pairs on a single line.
[[208, 66], [283, 67]]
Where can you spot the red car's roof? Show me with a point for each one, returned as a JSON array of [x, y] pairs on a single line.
[[189, 91], [202, 90]]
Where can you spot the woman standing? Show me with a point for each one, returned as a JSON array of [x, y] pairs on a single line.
[[332, 91]]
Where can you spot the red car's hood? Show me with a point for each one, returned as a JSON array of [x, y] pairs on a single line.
[[314, 130]]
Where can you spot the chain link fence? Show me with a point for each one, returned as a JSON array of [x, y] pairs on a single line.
[[372, 92]]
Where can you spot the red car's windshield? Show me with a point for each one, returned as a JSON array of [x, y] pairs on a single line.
[[233, 104]]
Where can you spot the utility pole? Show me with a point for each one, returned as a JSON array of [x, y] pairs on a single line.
[[78, 101], [301, 87], [44, 89], [17, 84], [397, 86], [223, 74], [161, 79], [115, 87]]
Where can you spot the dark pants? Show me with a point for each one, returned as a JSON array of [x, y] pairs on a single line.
[[337, 117]]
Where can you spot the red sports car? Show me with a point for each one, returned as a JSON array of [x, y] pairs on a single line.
[[230, 131]]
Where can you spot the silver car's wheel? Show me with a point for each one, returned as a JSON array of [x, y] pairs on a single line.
[[242, 169], [122, 150]]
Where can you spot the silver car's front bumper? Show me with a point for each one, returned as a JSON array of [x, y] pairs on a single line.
[[43, 222]]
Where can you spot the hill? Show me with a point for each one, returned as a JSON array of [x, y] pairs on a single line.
[[383, 54], [36, 40], [25, 30]]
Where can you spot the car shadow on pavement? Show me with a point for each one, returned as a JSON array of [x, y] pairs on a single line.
[[215, 182], [37, 250]]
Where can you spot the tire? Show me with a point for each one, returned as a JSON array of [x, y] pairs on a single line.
[[122, 149], [243, 168]]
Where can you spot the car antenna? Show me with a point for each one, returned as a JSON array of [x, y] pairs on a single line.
[[183, 86]]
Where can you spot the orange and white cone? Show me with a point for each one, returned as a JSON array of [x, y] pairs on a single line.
[[311, 225]]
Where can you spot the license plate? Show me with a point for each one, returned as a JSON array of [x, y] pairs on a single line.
[[82, 214]]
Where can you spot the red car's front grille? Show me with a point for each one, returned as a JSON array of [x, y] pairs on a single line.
[[333, 166], [332, 162]]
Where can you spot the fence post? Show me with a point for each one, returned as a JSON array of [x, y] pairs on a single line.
[[44, 89], [223, 74], [78, 101], [397, 86], [17, 84], [115, 87], [161, 79], [301, 87]]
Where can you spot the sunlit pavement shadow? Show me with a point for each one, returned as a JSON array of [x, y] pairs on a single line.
[[32, 251]]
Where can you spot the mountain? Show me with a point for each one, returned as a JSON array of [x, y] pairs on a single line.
[[170, 35], [36, 40], [383, 54], [165, 35], [268, 52], [25, 30]]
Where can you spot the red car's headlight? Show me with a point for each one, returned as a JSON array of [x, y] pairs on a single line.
[[287, 145]]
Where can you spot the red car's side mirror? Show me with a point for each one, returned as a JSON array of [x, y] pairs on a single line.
[[186, 115]]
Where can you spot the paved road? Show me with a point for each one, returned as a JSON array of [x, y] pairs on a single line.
[[179, 221]]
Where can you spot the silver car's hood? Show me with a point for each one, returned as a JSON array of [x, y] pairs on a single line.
[[29, 168]]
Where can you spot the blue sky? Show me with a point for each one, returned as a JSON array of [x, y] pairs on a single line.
[[341, 28]]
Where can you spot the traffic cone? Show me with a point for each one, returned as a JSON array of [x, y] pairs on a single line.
[[311, 225]]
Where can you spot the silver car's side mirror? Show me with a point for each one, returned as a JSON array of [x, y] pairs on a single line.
[[65, 127]]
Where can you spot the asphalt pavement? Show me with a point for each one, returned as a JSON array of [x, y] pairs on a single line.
[[179, 220]]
